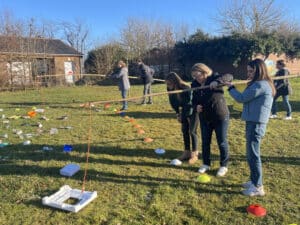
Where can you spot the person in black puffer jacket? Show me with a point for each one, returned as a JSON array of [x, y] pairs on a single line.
[[182, 104], [213, 114]]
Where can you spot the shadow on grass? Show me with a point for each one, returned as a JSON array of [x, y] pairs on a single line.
[[294, 104], [53, 105], [138, 156], [144, 114], [270, 159], [234, 114], [241, 209]]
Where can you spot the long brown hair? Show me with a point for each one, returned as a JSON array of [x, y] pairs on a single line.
[[260, 73], [177, 81]]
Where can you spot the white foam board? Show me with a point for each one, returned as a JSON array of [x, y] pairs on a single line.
[[65, 192], [69, 170]]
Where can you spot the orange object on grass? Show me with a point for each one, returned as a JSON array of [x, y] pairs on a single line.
[[140, 131], [148, 140], [131, 120], [106, 105], [137, 126], [31, 114]]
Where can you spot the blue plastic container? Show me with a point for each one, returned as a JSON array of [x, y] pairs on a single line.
[[68, 148]]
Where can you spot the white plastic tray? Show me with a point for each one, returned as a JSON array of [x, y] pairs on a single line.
[[69, 170], [66, 192]]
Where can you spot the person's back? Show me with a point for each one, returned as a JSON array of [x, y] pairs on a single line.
[[146, 73]]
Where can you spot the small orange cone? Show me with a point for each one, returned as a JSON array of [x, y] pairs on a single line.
[[148, 140], [31, 114], [137, 126], [141, 131], [106, 105], [131, 120]]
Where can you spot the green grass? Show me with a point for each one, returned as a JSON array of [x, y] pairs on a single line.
[[134, 185]]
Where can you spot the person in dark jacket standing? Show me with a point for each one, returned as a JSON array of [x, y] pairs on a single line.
[[124, 84], [213, 114], [283, 88], [146, 74], [182, 104]]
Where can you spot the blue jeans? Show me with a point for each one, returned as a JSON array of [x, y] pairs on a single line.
[[124, 94], [254, 133], [285, 99], [220, 128], [147, 91]]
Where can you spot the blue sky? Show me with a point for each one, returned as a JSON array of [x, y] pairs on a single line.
[[106, 17]]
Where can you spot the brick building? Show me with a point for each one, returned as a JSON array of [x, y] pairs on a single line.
[[24, 61]]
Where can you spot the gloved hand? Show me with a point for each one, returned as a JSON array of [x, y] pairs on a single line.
[[213, 84]]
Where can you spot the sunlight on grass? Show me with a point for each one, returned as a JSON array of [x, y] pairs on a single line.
[[135, 185]]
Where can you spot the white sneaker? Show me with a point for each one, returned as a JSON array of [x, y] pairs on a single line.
[[254, 191], [273, 116], [247, 184], [222, 171], [288, 118], [203, 168]]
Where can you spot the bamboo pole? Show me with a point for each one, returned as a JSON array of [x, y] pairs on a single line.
[[92, 75], [176, 92]]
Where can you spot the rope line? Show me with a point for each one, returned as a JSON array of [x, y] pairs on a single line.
[[175, 92], [88, 149], [91, 75]]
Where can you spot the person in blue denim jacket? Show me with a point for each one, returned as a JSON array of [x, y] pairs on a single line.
[[257, 101], [124, 84]]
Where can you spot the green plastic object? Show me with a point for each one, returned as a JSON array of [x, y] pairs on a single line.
[[203, 178]]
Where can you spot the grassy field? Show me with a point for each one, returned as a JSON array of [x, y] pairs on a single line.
[[134, 185]]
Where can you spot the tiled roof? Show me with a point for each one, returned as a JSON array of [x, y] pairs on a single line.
[[21, 45]]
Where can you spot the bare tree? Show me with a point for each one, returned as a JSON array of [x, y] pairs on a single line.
[[9, 25], [249, 16], [76, 34], [140, 36]]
